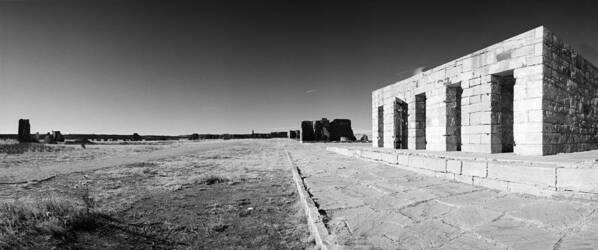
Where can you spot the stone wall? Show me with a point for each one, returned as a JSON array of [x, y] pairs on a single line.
[[540, 178], [570, 100], [341, 128], [520, 57]]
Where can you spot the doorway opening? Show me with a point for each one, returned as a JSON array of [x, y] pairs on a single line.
[[420, 121], [502, 112], [380, 126], [453, 117], [400, 119]]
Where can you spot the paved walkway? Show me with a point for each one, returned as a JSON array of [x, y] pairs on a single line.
[[372, 205]]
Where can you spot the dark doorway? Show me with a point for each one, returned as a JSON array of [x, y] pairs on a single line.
[[453, 117], [380, 126], [400, 117], [502, 112], [420, 121]]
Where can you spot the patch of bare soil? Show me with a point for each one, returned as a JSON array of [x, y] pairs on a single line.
[[238, 195]]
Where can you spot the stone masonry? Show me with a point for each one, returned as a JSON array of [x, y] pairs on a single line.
[[531, 94]]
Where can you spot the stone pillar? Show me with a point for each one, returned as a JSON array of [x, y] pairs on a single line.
[[476, 114], [24, 131], [528, 126]]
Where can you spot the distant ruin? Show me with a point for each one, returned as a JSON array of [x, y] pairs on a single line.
[[24, 131], [57, 136], [324, 130], [295, 134], [307, 131]]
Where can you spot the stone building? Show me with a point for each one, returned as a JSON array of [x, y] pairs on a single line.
[[324, 130], [531, 94]]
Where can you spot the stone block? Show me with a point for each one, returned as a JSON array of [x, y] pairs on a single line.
[[531, 189], [479, 148], [474, 168], [403, 159], [464, 179], [372, 155], [578, 179], [389, 158], [538, 175], [523, 149], [416, 161], [433, 163], [453, 166], [490, 183], [535, 115]]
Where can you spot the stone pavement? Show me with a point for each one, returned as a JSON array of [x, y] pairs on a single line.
[[373, 205]]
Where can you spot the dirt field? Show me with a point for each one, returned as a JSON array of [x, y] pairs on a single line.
[[192, 195]]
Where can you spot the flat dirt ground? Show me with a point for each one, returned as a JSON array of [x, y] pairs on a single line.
[[187, 195]]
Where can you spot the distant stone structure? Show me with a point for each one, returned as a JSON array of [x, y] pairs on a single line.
[[531, 94], [307, 131], [324, 130], [278, 135], [24, 131], [321, 130], [364, 138], [57, 136], [292, 134], [49, 139], [341, 128], [136, 137]]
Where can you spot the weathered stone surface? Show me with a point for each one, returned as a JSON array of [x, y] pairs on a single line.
[[586, 238], [518, 234], [469, 217], [545, 176], [474, 168], [375, 205], [453, 166], [389, 158], [582, 179]]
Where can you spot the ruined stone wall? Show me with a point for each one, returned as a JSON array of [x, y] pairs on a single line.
[[307, 131], [570, 102], [519, 56]]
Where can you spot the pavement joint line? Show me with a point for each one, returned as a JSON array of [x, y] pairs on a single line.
[[316, 225]]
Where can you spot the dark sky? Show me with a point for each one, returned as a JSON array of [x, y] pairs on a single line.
[[176, 67]]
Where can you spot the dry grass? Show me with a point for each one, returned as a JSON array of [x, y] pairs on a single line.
[[36, 222], [213, 179], [214, 198]]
